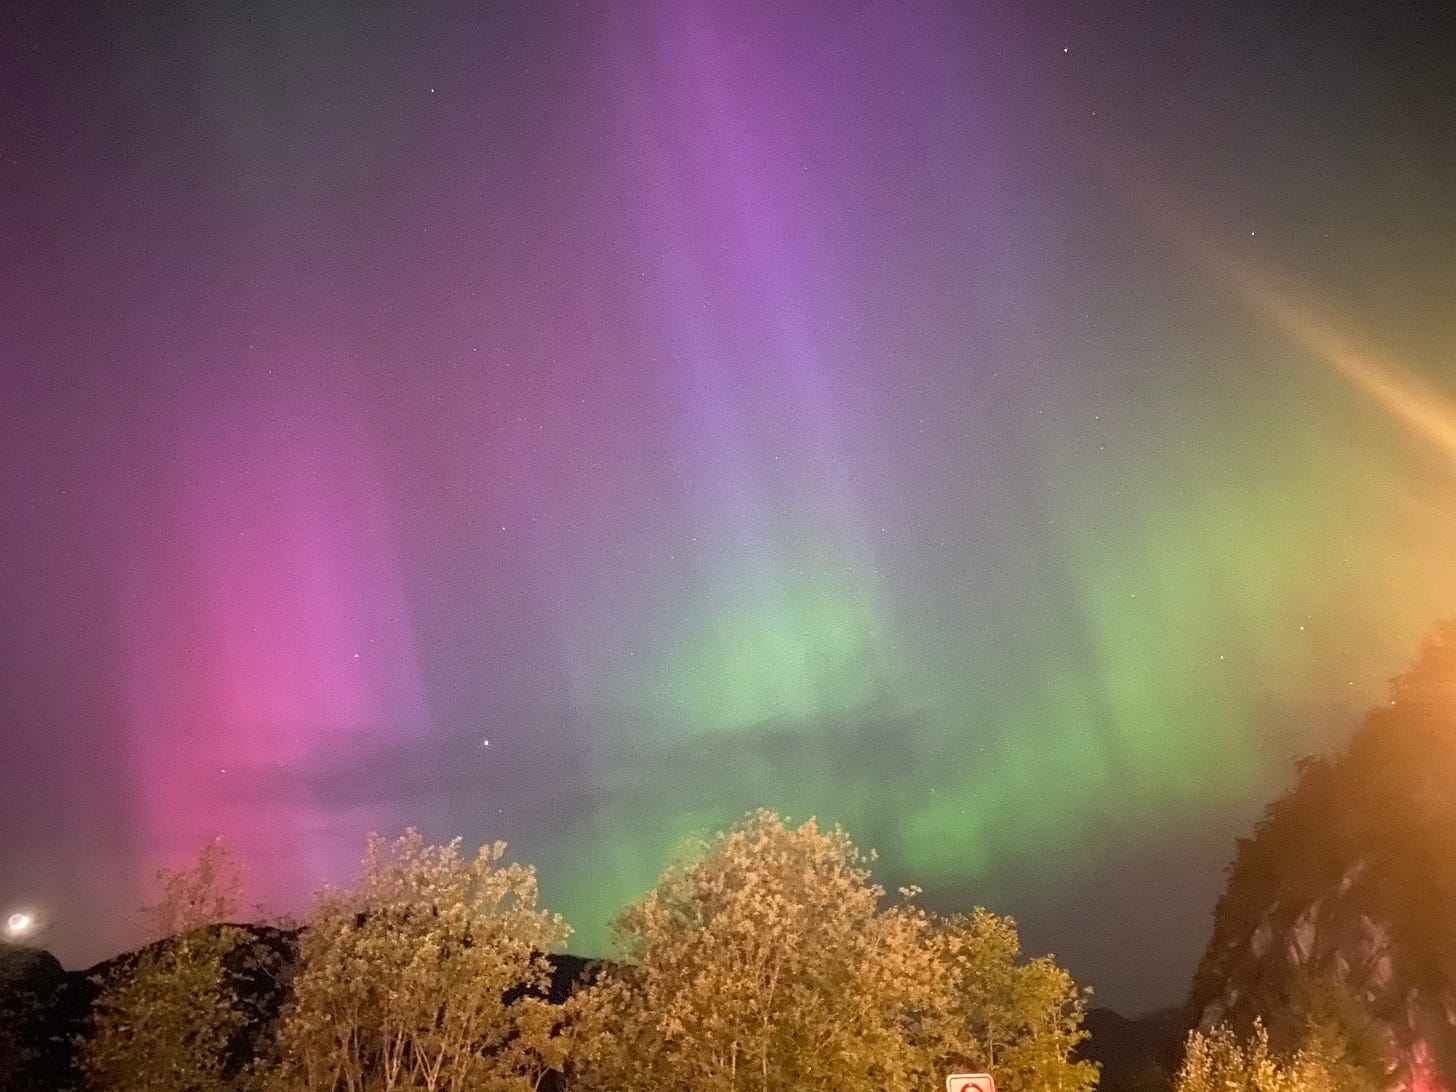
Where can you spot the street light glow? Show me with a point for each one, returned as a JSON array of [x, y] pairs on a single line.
[[19, 923]]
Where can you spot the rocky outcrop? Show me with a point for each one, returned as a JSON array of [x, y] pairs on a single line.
[[1342, 905]]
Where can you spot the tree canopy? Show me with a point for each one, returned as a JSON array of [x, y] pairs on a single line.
[[423, 975], [767, 961], [166, 1019]]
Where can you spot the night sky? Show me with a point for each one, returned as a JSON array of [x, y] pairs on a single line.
[[1012, 431]]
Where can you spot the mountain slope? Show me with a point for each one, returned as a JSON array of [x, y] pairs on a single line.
[[1344, 897]]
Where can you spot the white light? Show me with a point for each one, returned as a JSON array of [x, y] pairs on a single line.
[[18, 924]]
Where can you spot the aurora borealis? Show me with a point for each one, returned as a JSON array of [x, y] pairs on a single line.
[[1012, 431]]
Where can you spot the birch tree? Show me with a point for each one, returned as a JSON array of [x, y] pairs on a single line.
[[1220, 1061], [1018, 1020], [767, 961], [165, 1019], [423, 976]]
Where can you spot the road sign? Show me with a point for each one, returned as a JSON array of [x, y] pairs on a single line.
[[970, 1082]]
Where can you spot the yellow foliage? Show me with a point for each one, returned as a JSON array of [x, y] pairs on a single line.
[[766, 962], [164, 1022], [403, 979]]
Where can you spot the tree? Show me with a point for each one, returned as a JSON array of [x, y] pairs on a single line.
[[1337, 1027], [766, 962], [166, 1017], [425, 975], [1218, 1061], [1020, 1021], [1046, 1023]]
